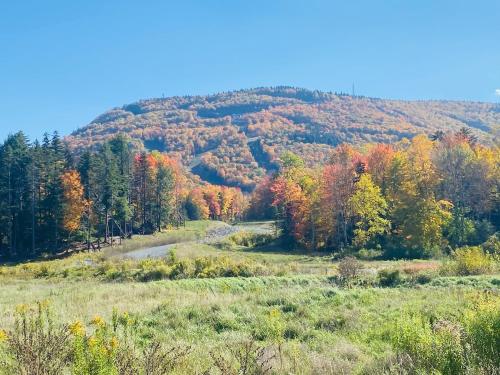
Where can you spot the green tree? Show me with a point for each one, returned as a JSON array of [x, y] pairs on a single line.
[[15, 196]]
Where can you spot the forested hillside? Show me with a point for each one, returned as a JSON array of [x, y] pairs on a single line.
[[234, 138]]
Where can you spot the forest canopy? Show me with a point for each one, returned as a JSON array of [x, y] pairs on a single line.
[[236, 138]]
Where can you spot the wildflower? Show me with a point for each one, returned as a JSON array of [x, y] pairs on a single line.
[[98, 321], [114, 319], [3, 335], [92, 341], [126, 320], [77, 328], [113, 343]]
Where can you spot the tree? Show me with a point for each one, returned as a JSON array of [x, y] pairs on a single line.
[[368, 207], [339, 180], [196, 206], [379, 159], [469, 179], [15, 196], [56, 162], [417, 218], [73, 202], [292, 190], [122, 203], [164, 188], [260, 206], [294, 211]]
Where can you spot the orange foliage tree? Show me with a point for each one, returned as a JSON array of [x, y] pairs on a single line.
[[73, 203]]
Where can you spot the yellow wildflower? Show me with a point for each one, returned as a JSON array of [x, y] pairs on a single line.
[[126, 320], [92, 341], [113, 343], [3, 335], [98, 321], [77, 328]]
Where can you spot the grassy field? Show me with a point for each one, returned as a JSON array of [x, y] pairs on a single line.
[[278, 313]]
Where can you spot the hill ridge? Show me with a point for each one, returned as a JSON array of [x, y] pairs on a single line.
[[220, 128]]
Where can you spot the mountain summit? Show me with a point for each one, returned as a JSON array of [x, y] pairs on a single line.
[[233, 138]]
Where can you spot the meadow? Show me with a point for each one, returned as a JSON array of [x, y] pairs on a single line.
[[238, 304]]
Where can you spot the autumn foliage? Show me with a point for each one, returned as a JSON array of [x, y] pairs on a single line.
[[414, 198], [216, 203], [74, 205], [236, 138]]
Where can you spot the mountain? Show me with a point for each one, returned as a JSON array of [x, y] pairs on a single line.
[[234, 138]]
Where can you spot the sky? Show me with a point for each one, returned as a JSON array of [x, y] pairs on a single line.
[[62, 63]]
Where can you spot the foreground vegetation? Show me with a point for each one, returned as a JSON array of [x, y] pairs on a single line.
[[298, 324]]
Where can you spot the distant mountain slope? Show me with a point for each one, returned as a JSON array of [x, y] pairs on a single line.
[[233, 138]]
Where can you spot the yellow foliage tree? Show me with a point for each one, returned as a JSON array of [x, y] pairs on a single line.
[[74, 204]]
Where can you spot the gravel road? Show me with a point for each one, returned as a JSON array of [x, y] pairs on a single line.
[[213, 235], [149, 252]]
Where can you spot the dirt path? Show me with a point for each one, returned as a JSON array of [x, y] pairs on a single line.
[[148, 252], [213, 235]]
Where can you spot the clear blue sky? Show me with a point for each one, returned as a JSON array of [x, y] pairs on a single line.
[[64, 62]]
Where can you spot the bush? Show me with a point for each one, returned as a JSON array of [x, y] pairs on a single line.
[[245, 358], [389, 278], [482, 325], [471, 261], [369, 254], [250, 239], [431, 347], [446, 347], [36, 346], [349, 268], [424, 278], [39, 347], [492, 246], [173, 268]]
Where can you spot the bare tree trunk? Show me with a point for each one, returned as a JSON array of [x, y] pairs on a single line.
[[106, 224]]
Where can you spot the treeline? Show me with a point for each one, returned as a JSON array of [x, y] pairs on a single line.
[[49, 201], [409, 199]]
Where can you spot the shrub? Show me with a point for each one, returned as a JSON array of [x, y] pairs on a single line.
[[43, 271], [369, 254], [424, 278], [158, 272], [271, 327], [389, 278], [349, 268], [159, 360], [471, 261], [482, 325], [93, 354], [36, 346], [492, 246], [245, 358], [432, 348], [250, 239]]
